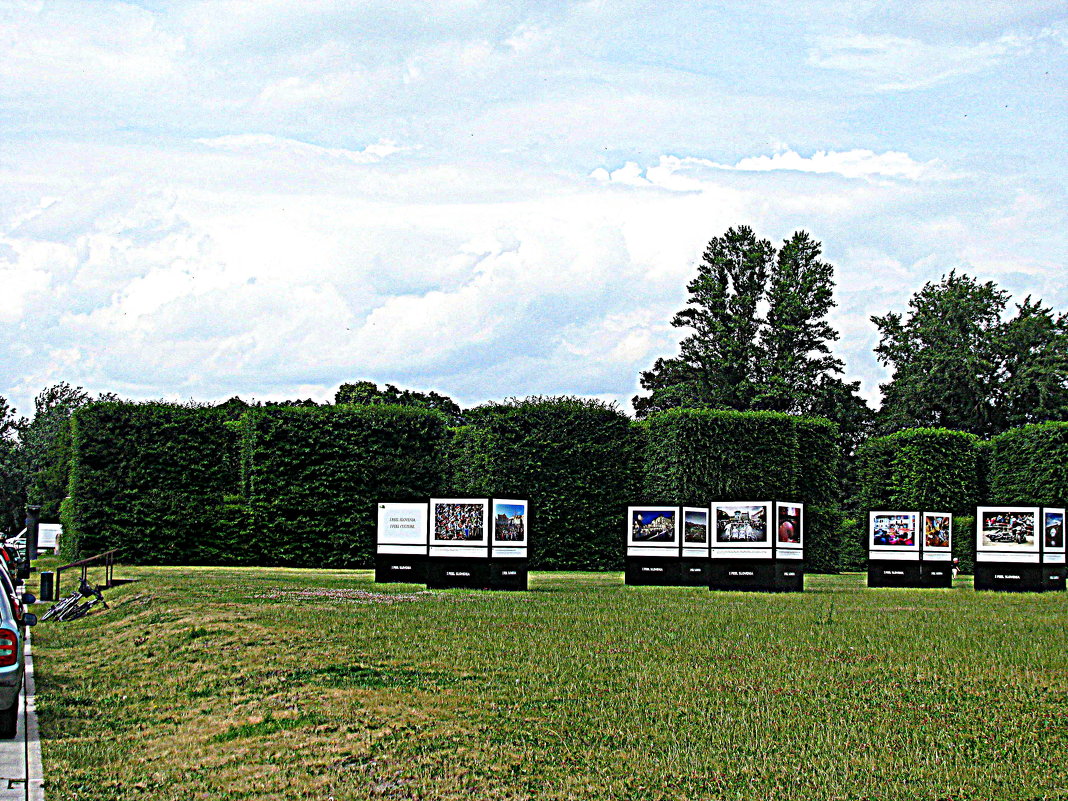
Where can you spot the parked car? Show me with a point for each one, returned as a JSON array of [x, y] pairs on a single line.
[[14, 619]]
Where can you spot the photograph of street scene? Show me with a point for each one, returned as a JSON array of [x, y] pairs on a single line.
[[1054, 529], [508, 523], [896, 530], [1002, 529], [789, 525], [936, 531], [741, 523], [463, 522], [648, 525], [696, 526]]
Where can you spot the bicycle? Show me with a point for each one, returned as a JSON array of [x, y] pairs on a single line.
[[72, 607]]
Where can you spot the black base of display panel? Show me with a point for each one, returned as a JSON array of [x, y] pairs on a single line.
[[693, 572], [653, 571], [790, 576], [463, 573], [393, 567], [1009, 577], [936, 575], [508, 574], [748, 575], [894, 573], [1053, 578]]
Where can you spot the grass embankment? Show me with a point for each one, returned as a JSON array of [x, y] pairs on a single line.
[[279, 684]]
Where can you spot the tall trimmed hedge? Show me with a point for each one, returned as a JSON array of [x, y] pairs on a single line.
[[151, 479], [576, 460], [312, 477], [1029, 465], [934, 469], [698, 456]]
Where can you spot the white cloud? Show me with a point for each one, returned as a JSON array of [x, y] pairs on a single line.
[[895, 63], [273, 146]]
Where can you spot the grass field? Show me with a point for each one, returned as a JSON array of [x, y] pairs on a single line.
[[287, 684]]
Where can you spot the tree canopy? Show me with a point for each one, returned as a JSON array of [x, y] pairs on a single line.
[[368, 393], [959, 363], [760, 338]]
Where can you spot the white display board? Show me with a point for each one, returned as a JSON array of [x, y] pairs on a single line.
[[511, 527], [652, 531], [742, 525], [894, 535], [402, 527], [696, 532], [1008, 533], [459, 527], [789, 527], [1053, 534], [937, 536]]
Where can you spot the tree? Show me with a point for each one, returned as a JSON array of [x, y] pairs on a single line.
[[718, 363], [12, 471], [368, 393], [46, 445], [957, 363], [737, 359]]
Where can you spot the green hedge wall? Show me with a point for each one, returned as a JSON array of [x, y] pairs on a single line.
[[698, 456], [312, 477], [578, 463], [1029, 465], [933, 469], [152, 479]]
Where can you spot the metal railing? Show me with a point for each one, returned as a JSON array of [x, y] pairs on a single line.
[[109, 569]]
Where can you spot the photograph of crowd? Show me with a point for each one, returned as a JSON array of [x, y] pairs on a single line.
[[463, 522], [1003, 529], [1054, 529], [508, 523], [741, 523], [789, 524], [649, 525], [696, 526], [895, 530], [936, 531]]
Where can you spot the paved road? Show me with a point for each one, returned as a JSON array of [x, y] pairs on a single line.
[[20, 759]]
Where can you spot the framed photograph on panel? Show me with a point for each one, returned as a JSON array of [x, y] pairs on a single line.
[[1053, 530], [510, 522], [695, 534], [894, 531], [1007, 529], [789, 525], [459, 522], [401, 525], [937, 530], [745, 524], [653, 527]]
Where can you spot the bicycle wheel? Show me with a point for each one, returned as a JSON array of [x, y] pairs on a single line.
[[61, 606], [74, 612]]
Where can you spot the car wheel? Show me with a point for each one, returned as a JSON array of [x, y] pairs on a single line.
[[9, 721]]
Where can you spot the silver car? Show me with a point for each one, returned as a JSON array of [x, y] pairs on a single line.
[[13, 622]]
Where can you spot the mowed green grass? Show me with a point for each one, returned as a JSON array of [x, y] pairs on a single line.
[[287, 684]]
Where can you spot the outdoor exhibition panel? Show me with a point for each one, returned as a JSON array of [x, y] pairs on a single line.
[[757, 545], [401, 547], [652, 536], [1053, 567], [894, 549], [508, 549], [936, 550], [1019, 548], [696, 536], [459, 543]]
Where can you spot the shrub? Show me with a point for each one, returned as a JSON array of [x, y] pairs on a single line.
[[933, 469], [313, 475], [1029, 465], [149, 479], [575, 460]]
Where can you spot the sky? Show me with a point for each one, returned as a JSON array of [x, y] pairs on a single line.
[[494, 199]]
